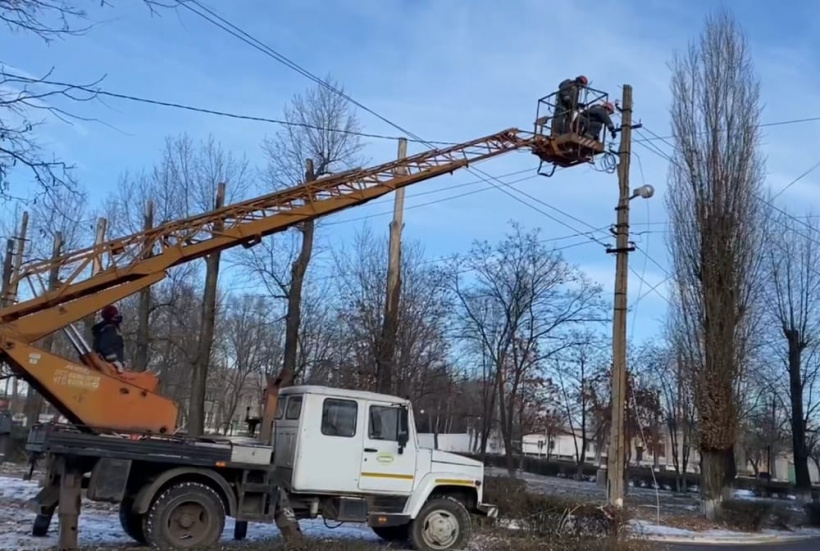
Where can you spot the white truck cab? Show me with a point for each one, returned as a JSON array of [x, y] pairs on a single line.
[[354, 456]]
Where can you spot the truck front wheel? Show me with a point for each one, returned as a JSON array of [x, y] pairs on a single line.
[[442, 524], [186, 515]]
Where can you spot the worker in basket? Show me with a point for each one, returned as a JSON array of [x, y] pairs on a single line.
[[108, 341], [595, 118], [567, 104]]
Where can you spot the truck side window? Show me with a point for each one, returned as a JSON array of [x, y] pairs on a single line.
[[384, 423], [294, 408], [339, 417], [280, 407]]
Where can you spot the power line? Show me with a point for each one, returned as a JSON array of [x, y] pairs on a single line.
[[761, 125], [100, 92], [790, 184], [765, 201], [255, 43]]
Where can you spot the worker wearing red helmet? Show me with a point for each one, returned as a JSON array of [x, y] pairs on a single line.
[[567, 103], [108, 341], [595, 118]]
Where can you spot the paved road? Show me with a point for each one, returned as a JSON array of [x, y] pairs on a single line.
[[813, 545]]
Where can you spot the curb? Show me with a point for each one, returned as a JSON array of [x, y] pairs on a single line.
[[744, 539]]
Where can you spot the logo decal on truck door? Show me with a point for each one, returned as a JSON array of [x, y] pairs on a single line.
[[384, 457]]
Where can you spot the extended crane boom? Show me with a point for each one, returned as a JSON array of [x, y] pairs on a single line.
[[92, 397]]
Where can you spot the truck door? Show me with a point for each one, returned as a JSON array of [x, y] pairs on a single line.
[[386, 468]]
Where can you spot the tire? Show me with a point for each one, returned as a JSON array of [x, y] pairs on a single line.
[[131, 522], [443, 524], [393, 533], [186, 515], [40, 527], [240, 530]]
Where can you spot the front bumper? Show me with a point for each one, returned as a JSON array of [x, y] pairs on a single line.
[[491, 511]]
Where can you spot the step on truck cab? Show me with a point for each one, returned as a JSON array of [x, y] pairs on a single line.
[[354, 456], [344, 455]]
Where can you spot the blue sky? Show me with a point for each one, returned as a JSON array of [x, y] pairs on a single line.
[[446, 70]]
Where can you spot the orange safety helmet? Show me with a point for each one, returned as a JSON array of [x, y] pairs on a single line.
[[582, 80]]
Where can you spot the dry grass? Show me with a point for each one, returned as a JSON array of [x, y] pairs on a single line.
[[567, 544], [552, 516]]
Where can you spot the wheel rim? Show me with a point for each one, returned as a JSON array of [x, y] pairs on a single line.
[[441, 530], [188, 523]]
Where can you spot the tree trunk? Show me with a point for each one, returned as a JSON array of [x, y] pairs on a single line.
[[293, 317], [506, 429], [202, 360], [800, 451], [713, 474]]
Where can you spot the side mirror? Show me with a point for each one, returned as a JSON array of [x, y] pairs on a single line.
[[403, 435]]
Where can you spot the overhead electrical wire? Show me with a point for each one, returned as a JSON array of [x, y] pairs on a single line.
[[764, 200], [97, 91], [761, 125], [222, 23]]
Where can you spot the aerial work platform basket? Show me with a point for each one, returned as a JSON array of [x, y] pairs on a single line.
[[559, 135]]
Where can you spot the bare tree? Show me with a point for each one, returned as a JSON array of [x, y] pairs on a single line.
[[764, 434], [24, 97], [674, 380], [243, 347], [197, 173], [715, 234], [316, 118], [517, 311], [184, 182], [793, 296], [577, 374], [421, 347]]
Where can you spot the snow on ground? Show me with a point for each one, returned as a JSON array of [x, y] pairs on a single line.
[[100, 525], [667, 533]]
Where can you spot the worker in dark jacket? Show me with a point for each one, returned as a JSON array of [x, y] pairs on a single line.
[[108, 341], [567, 103], [595, 118]]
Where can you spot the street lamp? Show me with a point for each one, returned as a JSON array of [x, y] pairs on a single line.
[[644, 192]]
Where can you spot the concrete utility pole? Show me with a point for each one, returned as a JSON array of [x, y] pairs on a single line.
[[617, 452], [390, 327]]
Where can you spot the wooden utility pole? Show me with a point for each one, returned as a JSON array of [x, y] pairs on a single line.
[[385, 365], [8, 268], [96, 267], [34, 402], [202, 360], [13, 287], [616, 461], [144, 309]]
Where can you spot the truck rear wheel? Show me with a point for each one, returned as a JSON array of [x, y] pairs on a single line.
[[131, 522], [393, 533], [442, 524], [185, 515]]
